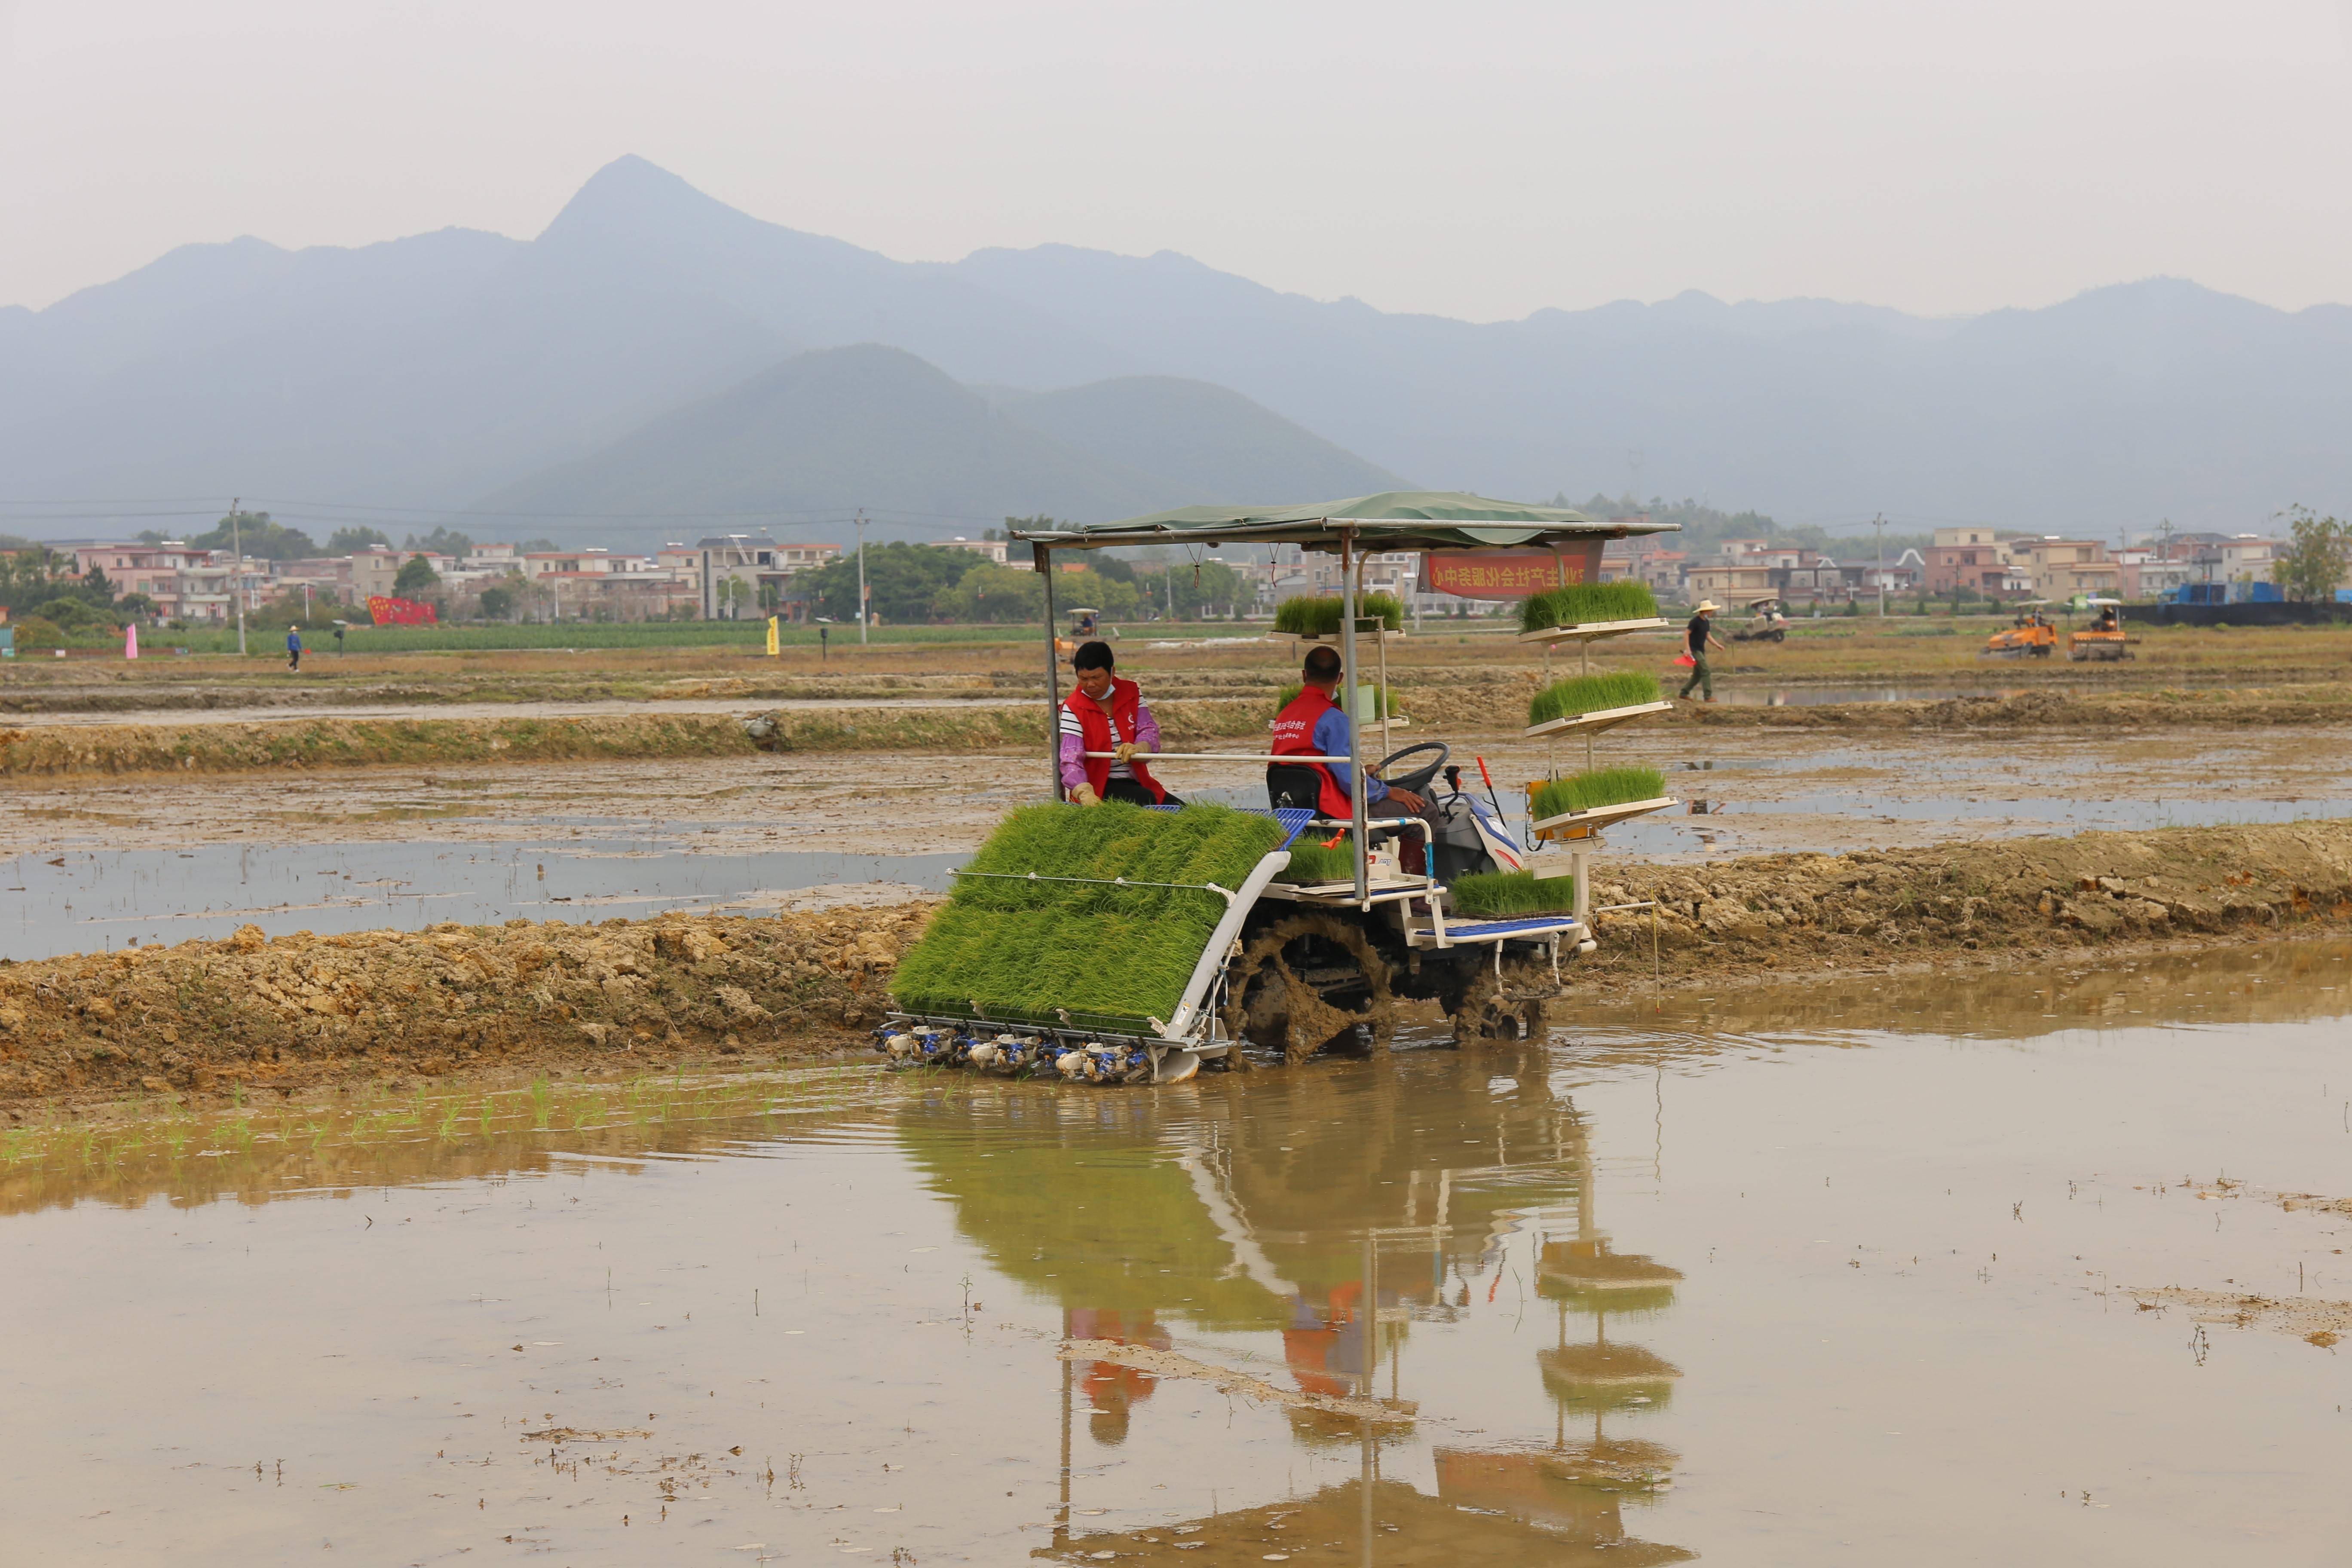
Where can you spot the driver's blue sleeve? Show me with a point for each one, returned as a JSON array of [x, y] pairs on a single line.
[[1331, 741]]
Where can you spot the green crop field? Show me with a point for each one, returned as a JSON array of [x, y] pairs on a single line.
[[1591, 694], [1021, 952], [1602, 786], [1583, 603]]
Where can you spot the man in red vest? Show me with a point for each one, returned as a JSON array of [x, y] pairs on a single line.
[[1108, 714], [1315, 725]]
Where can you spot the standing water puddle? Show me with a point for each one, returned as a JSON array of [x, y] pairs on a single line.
[[1721, 1283]]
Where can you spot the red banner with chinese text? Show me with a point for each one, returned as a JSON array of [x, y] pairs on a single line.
[[1508, 573], [385, 611]]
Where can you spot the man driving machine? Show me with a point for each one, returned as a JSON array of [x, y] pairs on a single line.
[[1108, 714], [1315, 725]]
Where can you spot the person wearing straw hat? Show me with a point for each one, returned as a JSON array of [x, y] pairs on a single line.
[[1108, 714], [1696, 638]]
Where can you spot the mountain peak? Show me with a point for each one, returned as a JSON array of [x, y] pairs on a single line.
[[630, 195]]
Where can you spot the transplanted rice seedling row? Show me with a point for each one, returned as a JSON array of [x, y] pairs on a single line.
[[1320, 616], [1506, 895], [1017, 950], [1602, 786], [1586, 603], [1591, 694]]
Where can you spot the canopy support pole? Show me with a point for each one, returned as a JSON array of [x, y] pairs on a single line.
[[1045, 559], [1347, 562]]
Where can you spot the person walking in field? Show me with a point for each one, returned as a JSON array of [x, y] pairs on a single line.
[[1697, 637], [293, 647]]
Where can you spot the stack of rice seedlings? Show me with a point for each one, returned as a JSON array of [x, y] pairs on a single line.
[[1591, 791], [1588, 603], [1320, 616], [1021, 950], [1312, 861], [1591, 694], [1380, 708], [1508, 895]]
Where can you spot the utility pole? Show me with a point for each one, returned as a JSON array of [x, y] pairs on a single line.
[[1879, 522], [861, 577], [236, 571]]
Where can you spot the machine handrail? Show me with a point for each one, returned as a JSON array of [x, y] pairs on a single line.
[[1218, 757]]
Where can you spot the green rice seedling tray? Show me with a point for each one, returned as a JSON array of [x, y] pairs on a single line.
[[1077, 940], [1584, 611], [1598, 787], [1503, 895], [1594, 701], [1319, 616]]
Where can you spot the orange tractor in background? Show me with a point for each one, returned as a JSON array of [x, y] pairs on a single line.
[[2030, 635]]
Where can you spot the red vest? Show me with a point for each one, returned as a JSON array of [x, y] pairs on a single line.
[[1294, 736], [1094, 729]]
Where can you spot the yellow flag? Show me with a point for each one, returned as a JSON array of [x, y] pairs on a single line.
[[772, 635]]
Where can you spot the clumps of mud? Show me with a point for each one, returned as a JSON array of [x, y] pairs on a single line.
[[251, 1013], [2315, 1322], [255, 1013], [2034, 895]]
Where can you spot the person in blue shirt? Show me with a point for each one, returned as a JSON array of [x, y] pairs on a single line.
[[293, 647], [1314, 725]]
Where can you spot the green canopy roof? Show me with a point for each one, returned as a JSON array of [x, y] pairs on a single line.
[[1395, 520]]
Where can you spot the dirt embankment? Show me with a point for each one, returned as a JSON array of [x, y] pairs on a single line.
[[299, 1011], [2024, 897], [1494, 707], [304, 1010], [63, 751]]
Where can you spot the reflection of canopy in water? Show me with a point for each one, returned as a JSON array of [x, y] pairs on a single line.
[[1563, 1526]]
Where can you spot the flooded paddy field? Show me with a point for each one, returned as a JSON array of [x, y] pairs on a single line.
[[2041, 1272], [95, 900], [1742, 792]]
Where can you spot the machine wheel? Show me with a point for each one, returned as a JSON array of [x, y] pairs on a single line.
[[1307, 982], [1489, 1010]]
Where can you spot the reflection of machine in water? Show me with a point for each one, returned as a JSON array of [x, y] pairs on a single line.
[[1332, 1214], [1579, 1486]]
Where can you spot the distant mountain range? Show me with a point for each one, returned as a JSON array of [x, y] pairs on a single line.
[[657, 360], [918, 448]]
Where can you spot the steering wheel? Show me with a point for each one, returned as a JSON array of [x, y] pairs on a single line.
[[1417, 780]]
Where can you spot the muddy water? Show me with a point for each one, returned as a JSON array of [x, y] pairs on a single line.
[[90, 901], [1750, 1286]]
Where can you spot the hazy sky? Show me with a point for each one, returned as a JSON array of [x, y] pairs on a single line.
[[1473, 160]]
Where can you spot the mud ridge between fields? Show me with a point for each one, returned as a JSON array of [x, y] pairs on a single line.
[[303, 1010], [1479, 708]]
